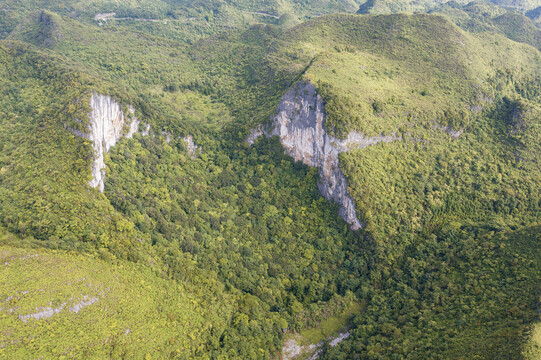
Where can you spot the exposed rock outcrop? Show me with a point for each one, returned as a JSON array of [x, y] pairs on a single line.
[[47, 312], [292, 350], [193, 149], [107, 125], [455, 134], [299, 122]]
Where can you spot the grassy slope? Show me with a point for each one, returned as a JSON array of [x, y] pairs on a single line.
[[395, 6], [135, 314], [386, 69], [476, 16], [532, 348], [386, 65], [153, 210], [46, 200]]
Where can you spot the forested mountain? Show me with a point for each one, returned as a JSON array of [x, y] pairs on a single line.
[[241, 179], [396, 6], [535, 15]]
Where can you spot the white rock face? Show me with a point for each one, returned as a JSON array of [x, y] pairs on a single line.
[[193, 150], [292, 350], [107, 126], [146, 131], [47, 312], [299, 122]]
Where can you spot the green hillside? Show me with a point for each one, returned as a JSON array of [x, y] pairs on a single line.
[[226, 252], [179, 220], [484, 17], [465, 292], [467, 160], [68, 304], [385, 82], [45, 168], [535, 15], [397, 6], [185, 20]]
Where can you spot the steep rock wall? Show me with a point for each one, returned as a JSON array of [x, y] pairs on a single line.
[[299, 123], [107, 125]]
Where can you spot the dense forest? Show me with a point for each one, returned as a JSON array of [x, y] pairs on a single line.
[[226, 248]]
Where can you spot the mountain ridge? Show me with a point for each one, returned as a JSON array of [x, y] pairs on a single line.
[[445, 265]]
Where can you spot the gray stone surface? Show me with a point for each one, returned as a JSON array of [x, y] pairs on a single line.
[[193, 150], [299, 123], [106, 127]]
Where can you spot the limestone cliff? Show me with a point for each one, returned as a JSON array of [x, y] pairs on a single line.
[[299, 123], [107, 125]]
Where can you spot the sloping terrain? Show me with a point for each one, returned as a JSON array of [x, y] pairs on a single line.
[[465, 293], [397, 6], [535, 15], [62, 304], [193, 218], [185, 20], [484, 17]]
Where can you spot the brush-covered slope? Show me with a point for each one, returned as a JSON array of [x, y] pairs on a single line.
[[463, 109], [67, 304], [429, 87], [396, 6], [399, 6], [520, 5], [485, 17], [465, 292], [184, 20], [57, 303], [246, 70], [535, 15], [467, 110], [475, 16], [44, 167], [249, 219]]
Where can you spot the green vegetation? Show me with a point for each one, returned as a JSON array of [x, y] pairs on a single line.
[[416, 6], [466, 292], [535, 15], [332, 325], [214, 256], [44, 168], [100, 309], [532, 349], [397, 6], [481, 17], [165, 211], [185, 20]]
